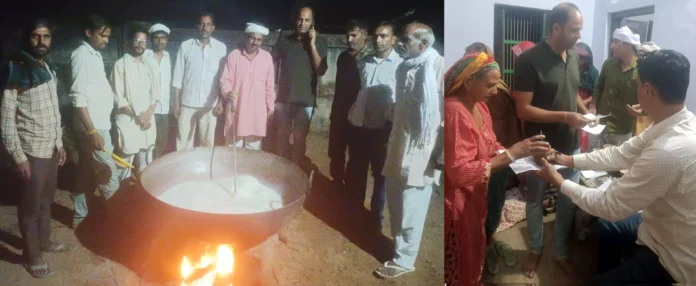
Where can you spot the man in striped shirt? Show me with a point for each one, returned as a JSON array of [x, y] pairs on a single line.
[[31, 132]]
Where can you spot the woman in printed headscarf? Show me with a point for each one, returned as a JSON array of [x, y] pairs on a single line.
[[472, 153], [508, 130], [589, 75]]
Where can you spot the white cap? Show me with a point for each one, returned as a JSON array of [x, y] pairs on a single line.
[[159, 27], [256, 28], [625, 35]]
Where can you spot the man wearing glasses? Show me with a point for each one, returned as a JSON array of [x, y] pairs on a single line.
[[136, 99]]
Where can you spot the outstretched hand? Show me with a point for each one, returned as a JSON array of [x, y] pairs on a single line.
[[549, 174]]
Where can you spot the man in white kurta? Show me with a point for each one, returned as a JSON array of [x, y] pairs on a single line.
[[161, 66], [136, 99], [407, 168]]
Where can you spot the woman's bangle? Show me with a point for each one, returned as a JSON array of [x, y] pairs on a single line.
[[92, 132], [507, 153]]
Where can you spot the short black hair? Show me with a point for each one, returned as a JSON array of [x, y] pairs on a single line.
[[96, 22], [205, 14], [36, 23], [356, 24], [137, 29], [668, 72], [560, 14], [387, 24]]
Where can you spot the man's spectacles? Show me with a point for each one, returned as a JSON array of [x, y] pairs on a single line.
[[139, 41]]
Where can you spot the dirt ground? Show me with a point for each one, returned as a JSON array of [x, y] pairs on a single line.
[[324, 245]]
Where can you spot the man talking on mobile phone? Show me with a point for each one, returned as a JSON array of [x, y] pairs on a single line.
[[302, 59]]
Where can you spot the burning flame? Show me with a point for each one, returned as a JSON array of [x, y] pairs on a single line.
[[225, 260], [186, 268], [224, 266]]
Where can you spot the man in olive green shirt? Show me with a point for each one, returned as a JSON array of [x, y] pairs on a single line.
[[616, 88]]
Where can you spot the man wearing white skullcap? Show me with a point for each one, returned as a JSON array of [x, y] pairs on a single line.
[[160, 64], [616, 88], [248, 91]]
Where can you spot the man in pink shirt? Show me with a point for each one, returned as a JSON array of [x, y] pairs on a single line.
[[248, 91]]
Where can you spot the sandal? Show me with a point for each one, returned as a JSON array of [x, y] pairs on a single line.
[[59, 248], [391, 270], [492, 260], [505, 250], [39, 271]]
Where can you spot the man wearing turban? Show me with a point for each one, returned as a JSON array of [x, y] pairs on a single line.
[[248, 91]]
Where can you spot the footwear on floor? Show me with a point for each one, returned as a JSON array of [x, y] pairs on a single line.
[[59, 248], [505, 250], [391, 270], [39, 271], [492, 260]]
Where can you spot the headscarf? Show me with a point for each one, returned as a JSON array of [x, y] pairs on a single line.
[[625, 35], [483, 48], [466, 67], [590, 75], [520, 48]]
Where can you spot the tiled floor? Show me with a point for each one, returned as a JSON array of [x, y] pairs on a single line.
[[582, 254]]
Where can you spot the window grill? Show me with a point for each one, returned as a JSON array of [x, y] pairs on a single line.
[[513, 25]]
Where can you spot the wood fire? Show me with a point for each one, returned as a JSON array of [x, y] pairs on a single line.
[[210, 269]]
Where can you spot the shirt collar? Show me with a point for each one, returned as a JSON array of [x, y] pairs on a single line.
[[657, 130], [132, 58], [633, 65], [149, 53], [211, 43], [90, 48], [393, 56], [548, 48]]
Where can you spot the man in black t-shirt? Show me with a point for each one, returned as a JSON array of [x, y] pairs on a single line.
[[302, 59], [547, 77]]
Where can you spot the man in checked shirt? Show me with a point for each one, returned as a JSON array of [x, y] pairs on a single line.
[[31, 132]]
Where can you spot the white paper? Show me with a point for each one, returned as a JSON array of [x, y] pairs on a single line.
[[527, 164], [594, 130], [593, 117], [589, 174]]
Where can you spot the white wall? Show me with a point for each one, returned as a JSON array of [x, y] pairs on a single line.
[[674, 28], [468, 21]]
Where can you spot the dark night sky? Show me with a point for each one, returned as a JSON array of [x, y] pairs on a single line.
[[232, 14]]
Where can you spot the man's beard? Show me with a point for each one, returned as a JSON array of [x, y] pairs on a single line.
[[252, 49], [137, 52], [39, 53]]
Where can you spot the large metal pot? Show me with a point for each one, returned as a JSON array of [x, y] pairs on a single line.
[[206, 163]]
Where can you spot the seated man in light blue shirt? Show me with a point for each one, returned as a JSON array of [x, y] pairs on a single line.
[[368, 143]]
